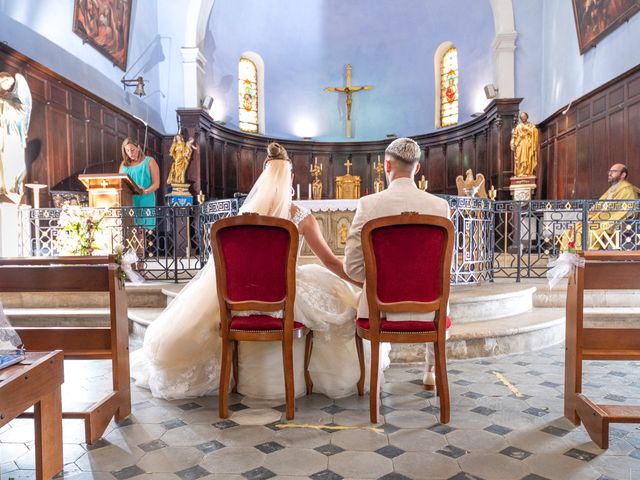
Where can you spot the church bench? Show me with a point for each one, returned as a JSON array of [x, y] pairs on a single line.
[[602, 271], [79, 275]]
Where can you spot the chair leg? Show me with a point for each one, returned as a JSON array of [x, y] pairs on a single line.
[[442, 383], [225, 373], [289, 389], [236, 371], [360, 350], [308, 348], [374, 391]]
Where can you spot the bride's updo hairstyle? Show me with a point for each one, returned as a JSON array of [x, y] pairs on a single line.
[[275, 151], [271, 194]]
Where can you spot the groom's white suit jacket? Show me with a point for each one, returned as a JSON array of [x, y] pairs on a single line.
[[402, 195]]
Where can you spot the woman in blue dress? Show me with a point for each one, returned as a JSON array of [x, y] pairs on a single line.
[[144, 171]]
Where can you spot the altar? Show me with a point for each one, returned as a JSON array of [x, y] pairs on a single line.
[[334, 218]]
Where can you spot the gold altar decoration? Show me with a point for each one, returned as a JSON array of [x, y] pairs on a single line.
[[344, 230], [349, 90], [316, 185], [378, 183], [423, 183], [347, 186], [493, 193], [181, 152], [470, 187], [524, 144]]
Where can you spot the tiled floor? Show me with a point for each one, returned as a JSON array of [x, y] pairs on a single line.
[[493, 434]]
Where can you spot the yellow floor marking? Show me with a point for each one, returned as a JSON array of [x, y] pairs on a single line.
[[508, 384], [330, 427]]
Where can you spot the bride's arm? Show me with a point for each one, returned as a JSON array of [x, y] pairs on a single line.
[[310, 229]]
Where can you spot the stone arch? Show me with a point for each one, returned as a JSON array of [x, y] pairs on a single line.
[[193, 59]]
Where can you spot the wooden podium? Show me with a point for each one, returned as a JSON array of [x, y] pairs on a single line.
[[109, 189]]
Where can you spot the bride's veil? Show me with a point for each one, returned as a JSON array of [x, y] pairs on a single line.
[[271, 194]]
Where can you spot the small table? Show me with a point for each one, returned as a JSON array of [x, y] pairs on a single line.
[[37, 381]]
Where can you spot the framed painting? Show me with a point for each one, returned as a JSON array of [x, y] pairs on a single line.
[[104, 24], [597, 18]]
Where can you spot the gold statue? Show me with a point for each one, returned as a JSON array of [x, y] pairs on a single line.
[[524, 144], [343, 234], [181, 154], [316, 185], [422, 183], [378, 183], [348, 186], [348, 90], [468, 187], [493, 193]]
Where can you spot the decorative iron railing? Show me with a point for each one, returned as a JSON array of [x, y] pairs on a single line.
[[493, 239]]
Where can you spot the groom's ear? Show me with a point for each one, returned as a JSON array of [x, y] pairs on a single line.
[[417, 168], [387, 165]]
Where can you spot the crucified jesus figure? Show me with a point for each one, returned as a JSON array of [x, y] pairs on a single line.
[[348, 90]]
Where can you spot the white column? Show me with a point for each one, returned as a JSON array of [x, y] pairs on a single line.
[[193, 62], [504, 46]]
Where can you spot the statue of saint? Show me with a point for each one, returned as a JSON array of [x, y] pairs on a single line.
[[15, 112], [524, 144], [181, 153]]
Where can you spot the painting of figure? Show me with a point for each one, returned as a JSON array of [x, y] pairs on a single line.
[[105, 25], [597, 18]]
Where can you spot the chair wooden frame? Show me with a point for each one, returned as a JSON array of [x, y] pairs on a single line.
[[230, 337], [438, 306], [602, 270], [79, 274]]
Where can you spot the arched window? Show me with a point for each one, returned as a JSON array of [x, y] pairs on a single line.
[[248, 113], [446, 76]]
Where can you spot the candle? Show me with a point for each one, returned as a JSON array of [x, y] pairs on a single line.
[[298, 191], [315, 160], [378, 158], [309, 191]]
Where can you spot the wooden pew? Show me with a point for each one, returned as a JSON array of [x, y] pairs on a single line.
[[602, 270], [79, 275]]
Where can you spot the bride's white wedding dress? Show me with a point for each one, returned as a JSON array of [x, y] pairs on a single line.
[[180, 357]]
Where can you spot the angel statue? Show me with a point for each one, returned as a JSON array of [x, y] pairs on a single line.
[[468, 187], [181, 153], [15, 113]]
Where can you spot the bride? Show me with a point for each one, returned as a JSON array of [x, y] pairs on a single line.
[[180, 356]]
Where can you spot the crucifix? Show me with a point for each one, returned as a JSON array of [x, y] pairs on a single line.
[[348, 165], [348, 90]]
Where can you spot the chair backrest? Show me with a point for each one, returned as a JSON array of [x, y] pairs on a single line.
[[255, 258], [407, 262]]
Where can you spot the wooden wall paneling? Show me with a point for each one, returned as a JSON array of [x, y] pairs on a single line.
[[633, 136], [362, 168], [300, 170], [584, 149], [218, 178], [454, 167], [245, 169], [437, 170], [78, 144], [231, 170], [599, 157], [57, 145], [617, 150]]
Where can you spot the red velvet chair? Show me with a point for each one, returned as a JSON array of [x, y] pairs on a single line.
[[407, 261], [255, 258]]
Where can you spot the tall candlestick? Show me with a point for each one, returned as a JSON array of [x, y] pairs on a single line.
[[310, 192], [315, 160], [298, 191]]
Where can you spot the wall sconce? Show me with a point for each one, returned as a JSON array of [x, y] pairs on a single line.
[[490, 91], [207, 103], [138, 82]]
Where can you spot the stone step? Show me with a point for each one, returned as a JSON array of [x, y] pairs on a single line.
[[475, 303], [533, 330], [75, 317], [544, 297], [146, 295]]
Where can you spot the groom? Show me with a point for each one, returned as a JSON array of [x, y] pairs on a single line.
[[401, 165]]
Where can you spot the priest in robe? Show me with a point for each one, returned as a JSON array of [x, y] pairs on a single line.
[[604, 215]]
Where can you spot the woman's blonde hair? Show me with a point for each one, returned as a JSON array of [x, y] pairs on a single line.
[[125, 157]]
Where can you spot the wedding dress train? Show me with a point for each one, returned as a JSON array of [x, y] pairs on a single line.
[[180, 357]]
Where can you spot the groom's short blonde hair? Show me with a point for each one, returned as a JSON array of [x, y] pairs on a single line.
[[405, 150]]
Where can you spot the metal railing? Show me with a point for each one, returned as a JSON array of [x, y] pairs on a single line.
[[493, 239]]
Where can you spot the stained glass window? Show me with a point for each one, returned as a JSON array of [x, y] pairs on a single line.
[[449, 88], [248, 96]]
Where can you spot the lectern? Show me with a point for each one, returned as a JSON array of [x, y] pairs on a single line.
[[109, 189]]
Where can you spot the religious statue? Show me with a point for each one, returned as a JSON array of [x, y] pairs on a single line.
[[422, 183], [470, 187], [316, 185], [348, 186], [15, 113], [181, 153], [343, 234], [349, 90], [378, 183], [524, 144]]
